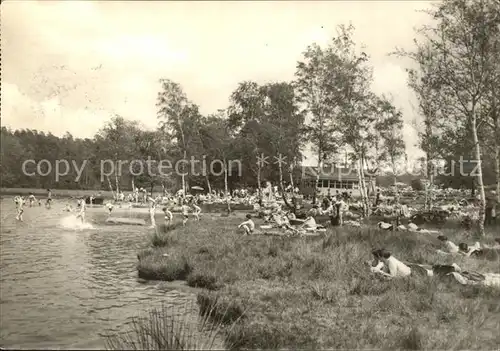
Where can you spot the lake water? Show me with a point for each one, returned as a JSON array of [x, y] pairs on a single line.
[[65, 288]]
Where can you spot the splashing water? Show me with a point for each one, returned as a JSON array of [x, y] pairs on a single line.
[[72, 222]]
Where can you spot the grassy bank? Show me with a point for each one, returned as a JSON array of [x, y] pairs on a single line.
[[318, 293]]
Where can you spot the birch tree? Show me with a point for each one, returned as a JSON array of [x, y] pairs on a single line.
[[462, 45], [179, 119], [317, 75], [390, 129]]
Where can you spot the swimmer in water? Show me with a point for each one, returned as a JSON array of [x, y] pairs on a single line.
[[19, 206], [68, 208], [109, 206], [49, 199], [81, 214], [168, 216], [31, 199]]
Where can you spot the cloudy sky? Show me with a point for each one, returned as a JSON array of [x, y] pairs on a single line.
[[69, 66]]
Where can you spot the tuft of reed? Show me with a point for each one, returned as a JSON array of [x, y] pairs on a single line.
[[171, 328], [161, 239]]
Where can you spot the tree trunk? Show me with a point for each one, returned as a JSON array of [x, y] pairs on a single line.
[[280, 169], [318, 172], [110, 187], [497, 151], [116, 181], [497, 169], [396, 191], [226, 187], [183, 179], [482, 195], [209, 186], [259, 185], [361, 190], [428, 189], [291, 178], [363, 180]]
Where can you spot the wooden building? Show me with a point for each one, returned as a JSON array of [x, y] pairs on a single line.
[[332, 180]]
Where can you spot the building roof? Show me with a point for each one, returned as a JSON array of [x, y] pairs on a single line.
[[330, 172]]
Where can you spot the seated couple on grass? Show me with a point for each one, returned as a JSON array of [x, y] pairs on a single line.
[[279, 222], [388, 266]]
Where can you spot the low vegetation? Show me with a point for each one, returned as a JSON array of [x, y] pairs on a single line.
[[318, 293], [174, 328]]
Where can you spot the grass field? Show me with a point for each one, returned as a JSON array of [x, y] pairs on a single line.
[[318, 293]]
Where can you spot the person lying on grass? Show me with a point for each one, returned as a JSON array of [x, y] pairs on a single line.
[[395, 268], [412, 227], [385, 226], [435, 270], [468, 251], [496, 245], [474, 278], [248, 225]]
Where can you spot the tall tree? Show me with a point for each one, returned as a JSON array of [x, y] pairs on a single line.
[[462, 44], [179, 118], [390, 129], [356, 114], [316, 74]]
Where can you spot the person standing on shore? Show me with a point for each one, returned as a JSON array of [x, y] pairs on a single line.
[[196, 210], [152, 210], [185, 213]]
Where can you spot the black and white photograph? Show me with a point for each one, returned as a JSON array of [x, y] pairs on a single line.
[[256, 175]]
